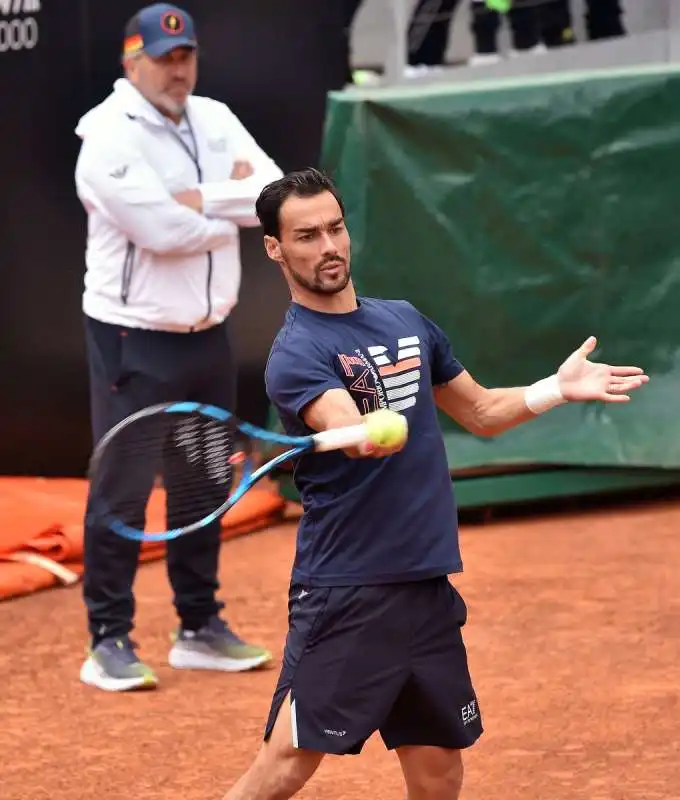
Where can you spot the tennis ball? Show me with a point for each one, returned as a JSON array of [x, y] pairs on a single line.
[[386, 428]]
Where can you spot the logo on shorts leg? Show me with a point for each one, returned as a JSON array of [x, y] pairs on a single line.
[[330, 732], [469, 712]]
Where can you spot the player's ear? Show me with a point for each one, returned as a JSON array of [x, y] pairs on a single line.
[[272, 247]]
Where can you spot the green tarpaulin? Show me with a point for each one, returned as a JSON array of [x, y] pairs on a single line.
[[523, 216]]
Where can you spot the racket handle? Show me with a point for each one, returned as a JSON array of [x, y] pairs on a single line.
[[339, 438]]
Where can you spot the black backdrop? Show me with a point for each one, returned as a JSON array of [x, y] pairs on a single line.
[[272, 61]]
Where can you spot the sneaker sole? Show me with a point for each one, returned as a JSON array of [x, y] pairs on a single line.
[[93, 675], [186, 659]]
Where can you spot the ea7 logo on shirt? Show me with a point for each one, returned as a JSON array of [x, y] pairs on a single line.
[[363, 382], [375, 381], [469, 712], [401, 379]]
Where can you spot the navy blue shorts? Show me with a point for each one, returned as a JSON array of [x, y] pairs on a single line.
[[390, 658]]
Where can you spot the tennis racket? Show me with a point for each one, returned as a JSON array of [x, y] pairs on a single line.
[[171, 469]]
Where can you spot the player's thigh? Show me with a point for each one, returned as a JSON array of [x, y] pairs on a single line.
[[279, 770], [431, 773], [281, 763], [438, 706], [345, 662]]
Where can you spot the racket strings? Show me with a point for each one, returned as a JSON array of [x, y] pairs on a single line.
[[165, 470], [206, 446]]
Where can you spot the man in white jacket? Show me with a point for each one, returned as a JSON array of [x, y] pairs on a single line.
[[166, 179]]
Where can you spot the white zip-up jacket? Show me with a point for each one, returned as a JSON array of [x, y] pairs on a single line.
[[151, 262]]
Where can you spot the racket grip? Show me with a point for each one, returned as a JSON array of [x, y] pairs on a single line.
[[339, 438]]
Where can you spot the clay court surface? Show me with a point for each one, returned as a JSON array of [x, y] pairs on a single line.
[[574, 643]]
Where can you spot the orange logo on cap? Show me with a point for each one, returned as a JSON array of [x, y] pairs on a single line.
[[133, 44], [172, 23]]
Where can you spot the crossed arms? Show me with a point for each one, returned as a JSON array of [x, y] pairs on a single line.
[[114, 178]]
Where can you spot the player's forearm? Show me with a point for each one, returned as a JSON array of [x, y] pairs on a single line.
[[333, 409], [336, 409], [499, 410], [502, 409], [491, 412]]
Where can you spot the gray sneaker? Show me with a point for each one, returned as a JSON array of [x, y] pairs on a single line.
[[114, 667], [215, 647]]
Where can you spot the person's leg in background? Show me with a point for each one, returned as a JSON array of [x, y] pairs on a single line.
[[204, 640], [428, 32], [110, 560], [604, 19], [556, 23], [525, 30], [484, 25]]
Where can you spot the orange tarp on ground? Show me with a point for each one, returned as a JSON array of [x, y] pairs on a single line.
[[41, 530]]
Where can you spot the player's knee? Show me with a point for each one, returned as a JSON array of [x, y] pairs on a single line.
[[443, 786], [435, 776]]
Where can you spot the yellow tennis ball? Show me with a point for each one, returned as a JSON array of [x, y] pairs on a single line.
[[386, 428]]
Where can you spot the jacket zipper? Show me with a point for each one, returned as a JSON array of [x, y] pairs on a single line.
[[199, 172], [130, 253], [209, 286], [128, 265]]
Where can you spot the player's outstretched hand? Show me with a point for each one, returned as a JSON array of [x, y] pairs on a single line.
[[580, 379]]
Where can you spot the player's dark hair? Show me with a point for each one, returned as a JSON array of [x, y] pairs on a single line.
[[303, 183]]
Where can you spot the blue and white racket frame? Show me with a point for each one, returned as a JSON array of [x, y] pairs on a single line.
[[333, 439]]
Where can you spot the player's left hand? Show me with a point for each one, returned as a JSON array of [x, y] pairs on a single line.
[[580, 379]]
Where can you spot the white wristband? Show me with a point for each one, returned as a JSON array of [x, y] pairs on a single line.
[[543, 395]]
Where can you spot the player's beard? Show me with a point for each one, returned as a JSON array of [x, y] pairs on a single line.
[[321, 283]]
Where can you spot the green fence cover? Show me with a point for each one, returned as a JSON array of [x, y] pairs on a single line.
[[523, 216]]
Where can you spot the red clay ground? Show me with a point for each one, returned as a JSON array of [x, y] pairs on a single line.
[[574, 642]]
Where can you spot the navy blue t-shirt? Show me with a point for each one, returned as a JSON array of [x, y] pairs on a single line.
[[367, 520]]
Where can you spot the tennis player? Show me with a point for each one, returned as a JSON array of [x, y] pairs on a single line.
[[375, 642], [167, 179]]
